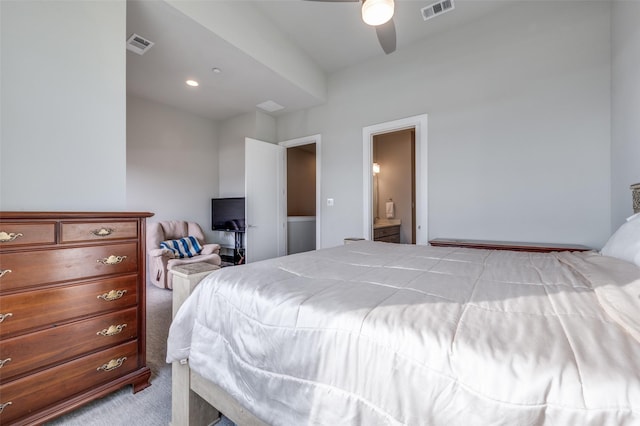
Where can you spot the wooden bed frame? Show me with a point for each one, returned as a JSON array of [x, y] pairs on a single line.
[[196, 401]]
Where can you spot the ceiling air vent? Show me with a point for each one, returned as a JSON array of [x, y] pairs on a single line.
[[436, 9], [270, 106], [138, 44]]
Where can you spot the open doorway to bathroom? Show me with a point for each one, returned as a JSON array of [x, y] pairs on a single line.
[[419, 227], [394, 186], [303, 189], [301, 198]]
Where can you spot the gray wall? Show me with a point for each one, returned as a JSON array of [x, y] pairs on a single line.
[[177, 161], [233, 132], [522, 145], [625, 107], [63, 144], [172, 163], [519, 126]]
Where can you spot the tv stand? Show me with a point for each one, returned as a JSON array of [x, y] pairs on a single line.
[[239, 251], [233, 253]]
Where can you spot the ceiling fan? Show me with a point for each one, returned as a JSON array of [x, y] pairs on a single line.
[[378, 14]]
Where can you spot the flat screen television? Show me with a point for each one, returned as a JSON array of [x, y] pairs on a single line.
[[227, 214]]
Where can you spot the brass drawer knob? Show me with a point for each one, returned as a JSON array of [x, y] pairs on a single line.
[[3, 272], [111, 260], [3, 405], [112, 365], [112, 330], [112, 295], [6, 237], [5, 316], [4, 361], [103, 232]]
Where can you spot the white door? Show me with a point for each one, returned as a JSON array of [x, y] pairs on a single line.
[[265, 198]]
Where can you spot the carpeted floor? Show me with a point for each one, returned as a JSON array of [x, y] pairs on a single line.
[[151, 406]]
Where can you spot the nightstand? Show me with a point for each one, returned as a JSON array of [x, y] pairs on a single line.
[[507, 245]]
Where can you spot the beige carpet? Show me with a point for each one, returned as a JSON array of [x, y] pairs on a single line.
[[151, 406]]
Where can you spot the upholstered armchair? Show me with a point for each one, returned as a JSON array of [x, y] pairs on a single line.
[[174, 243]]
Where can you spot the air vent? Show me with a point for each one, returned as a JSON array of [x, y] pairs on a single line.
[[270, 106], [138, 44], [436, 9]]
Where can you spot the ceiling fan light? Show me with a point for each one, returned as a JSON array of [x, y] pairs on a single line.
[[377, 12]]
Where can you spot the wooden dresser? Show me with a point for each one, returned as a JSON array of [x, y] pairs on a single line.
[[72, 310]]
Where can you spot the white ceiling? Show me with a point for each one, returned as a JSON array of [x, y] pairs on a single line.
[[332, 34]]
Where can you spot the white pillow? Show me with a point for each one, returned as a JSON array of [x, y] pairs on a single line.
[[633, 217], [625, 242]]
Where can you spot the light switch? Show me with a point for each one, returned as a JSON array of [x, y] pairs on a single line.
[[329, 202]]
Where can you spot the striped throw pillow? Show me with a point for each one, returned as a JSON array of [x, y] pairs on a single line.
[[184, 247]]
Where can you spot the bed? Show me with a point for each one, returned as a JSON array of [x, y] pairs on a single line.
[[375, 333]]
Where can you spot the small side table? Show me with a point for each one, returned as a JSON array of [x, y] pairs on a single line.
[[185, 278], [507, 245]]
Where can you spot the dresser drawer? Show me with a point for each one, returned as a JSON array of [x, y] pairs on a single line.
[[14, 234], [73, 232], [30, 394], [32, 268], [51, 306], [33, 351]]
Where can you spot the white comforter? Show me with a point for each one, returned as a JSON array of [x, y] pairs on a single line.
[[385, 334]]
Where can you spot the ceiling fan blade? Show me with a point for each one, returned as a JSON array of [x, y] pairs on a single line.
[[387, 36]]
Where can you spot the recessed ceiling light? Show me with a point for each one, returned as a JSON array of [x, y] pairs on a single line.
[[192, 83]]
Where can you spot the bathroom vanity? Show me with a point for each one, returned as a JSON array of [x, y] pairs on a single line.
[[387, 231]]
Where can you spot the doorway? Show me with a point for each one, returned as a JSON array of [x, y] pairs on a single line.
[[266, 196], [394, 185], [301, 198], [303, 193], [419, 126]]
